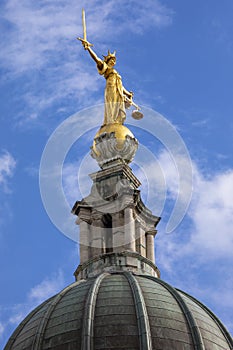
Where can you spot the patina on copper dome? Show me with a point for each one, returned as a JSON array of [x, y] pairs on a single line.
[[120, 311]]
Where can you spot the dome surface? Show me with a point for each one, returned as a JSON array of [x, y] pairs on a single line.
[[120, 311]]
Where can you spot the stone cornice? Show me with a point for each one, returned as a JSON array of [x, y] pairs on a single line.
[[113, 262]]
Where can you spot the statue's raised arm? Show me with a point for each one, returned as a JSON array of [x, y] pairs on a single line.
[[93, 55], [117, 98]]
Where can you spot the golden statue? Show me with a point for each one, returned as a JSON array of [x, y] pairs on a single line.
[[117, 98]]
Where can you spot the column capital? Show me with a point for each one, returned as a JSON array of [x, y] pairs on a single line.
[[84, 215], [130, 206], [151, 232]]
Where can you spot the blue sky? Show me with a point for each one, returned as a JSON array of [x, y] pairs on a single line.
[[177, 58]]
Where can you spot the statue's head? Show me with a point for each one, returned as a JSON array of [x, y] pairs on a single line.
[[110, 56]]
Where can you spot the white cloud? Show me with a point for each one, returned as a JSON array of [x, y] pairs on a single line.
[[12, 315], [40, 45], [222, 294], [76, 183], [201, 122], [7, 166], [210, 212], [46, 28], [47, 288], [39, 293], [209, 236], [166, 179]]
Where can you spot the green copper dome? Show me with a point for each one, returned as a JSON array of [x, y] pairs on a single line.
[[120, 311]]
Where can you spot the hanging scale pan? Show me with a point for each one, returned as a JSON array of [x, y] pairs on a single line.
[[137, 115]]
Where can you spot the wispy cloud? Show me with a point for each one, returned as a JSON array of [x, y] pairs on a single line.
[[200, 123], [44, 30], [7, 166], [37, 294], [221, 30], [76, 183], [47, 288], [40, 46], [210, 215], [13, 315]]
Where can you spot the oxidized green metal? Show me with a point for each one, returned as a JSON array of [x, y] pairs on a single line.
[[120, 311]]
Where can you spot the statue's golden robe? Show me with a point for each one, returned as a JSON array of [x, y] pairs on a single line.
[[114, 99]]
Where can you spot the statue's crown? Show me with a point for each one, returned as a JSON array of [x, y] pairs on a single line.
[[109, 55]]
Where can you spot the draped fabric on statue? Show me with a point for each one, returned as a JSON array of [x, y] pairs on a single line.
[[114, 98]]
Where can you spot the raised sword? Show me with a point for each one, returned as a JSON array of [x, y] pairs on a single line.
[[84, 39]]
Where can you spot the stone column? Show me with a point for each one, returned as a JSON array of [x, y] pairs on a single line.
[[97, 235], [118, 234], [140, 240], [129, 229], [150, 251], [84, 240]]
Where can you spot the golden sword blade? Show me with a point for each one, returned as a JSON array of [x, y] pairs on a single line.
[[84, 25], [84, 39]]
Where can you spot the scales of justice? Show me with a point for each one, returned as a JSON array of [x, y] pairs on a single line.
[[113, 140]]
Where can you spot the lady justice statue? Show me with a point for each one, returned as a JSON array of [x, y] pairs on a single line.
[[116, 97]]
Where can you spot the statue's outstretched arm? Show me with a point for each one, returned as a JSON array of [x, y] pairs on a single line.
[[93, 55]]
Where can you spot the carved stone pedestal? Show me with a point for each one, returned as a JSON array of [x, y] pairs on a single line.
[[114, 142]]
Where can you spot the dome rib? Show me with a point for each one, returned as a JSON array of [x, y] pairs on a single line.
[[39, 336], [120, 310], [223, 329], [194, 329], [89, 313], [23, 324], [141, 312]]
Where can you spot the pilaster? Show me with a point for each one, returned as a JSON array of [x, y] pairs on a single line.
[[129, 233], [150, 249], [97, 244]]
